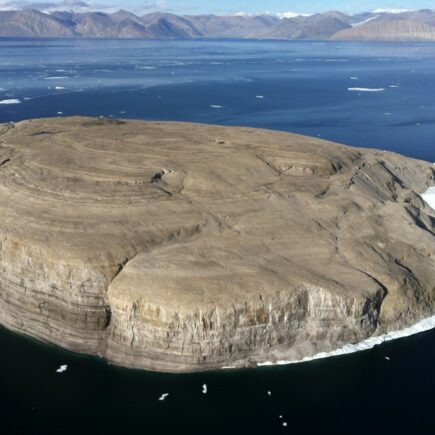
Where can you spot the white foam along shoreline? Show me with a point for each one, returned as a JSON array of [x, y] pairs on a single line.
[[422, 326], [370, 343]]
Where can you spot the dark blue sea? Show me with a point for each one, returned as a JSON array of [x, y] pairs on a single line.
[[369, 95]]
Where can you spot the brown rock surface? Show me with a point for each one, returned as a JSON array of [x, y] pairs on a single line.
[[182, 247]]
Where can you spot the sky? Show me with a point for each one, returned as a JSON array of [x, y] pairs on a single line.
[[219, 6]]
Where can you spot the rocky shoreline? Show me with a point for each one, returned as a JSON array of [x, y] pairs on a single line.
[[181, 247]]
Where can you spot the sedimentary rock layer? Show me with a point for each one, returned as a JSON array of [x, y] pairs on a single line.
[[182, 247]]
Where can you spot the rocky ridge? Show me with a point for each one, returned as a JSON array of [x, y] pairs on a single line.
[[182, 247], [379, 26]]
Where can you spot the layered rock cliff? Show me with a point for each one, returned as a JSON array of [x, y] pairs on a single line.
[[182, 247]]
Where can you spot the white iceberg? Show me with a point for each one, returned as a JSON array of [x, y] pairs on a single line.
[[62, 368], [366, 89], [163, 397], [11, 101]]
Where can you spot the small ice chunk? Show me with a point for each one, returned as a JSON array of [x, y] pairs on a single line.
[[269, 393], [260, 97], [59, 88], [387, 358], [60, 113], [204, 389], [163, 397], [62, 368], [215, 106], [280, 416], [284, 423], [354, 78]]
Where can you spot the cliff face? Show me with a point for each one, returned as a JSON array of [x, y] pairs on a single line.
[[400, 30], [181, 247]]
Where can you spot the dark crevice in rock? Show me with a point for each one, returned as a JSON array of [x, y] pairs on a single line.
[[101, 122], [108, 317], [4, 162], [45, 132]]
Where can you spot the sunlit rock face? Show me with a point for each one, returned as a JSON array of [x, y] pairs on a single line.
[[183, 247]]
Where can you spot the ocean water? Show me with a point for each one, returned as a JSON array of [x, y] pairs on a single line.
[[369, 95]]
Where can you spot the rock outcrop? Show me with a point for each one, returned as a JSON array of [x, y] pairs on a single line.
[[182, 247]]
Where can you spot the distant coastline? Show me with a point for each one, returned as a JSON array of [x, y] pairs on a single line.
[[332, 25]]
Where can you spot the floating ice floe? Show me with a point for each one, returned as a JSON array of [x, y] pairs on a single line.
[[394, 86], [260, 97], [284, 423], [163, 397], [269, 393], [11, 101], [62, 368], [366, 89], [204, 389], [56, 78], [387, 358], [422, 326], [59, 88], [215, 106], [60, 113], [354, 78]]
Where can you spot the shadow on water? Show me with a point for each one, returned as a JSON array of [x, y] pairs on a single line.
[[360, 393]]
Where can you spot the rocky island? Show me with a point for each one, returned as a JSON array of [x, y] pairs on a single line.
[[181, 247]]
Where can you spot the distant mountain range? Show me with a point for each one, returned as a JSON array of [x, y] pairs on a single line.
[[380, 26]]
